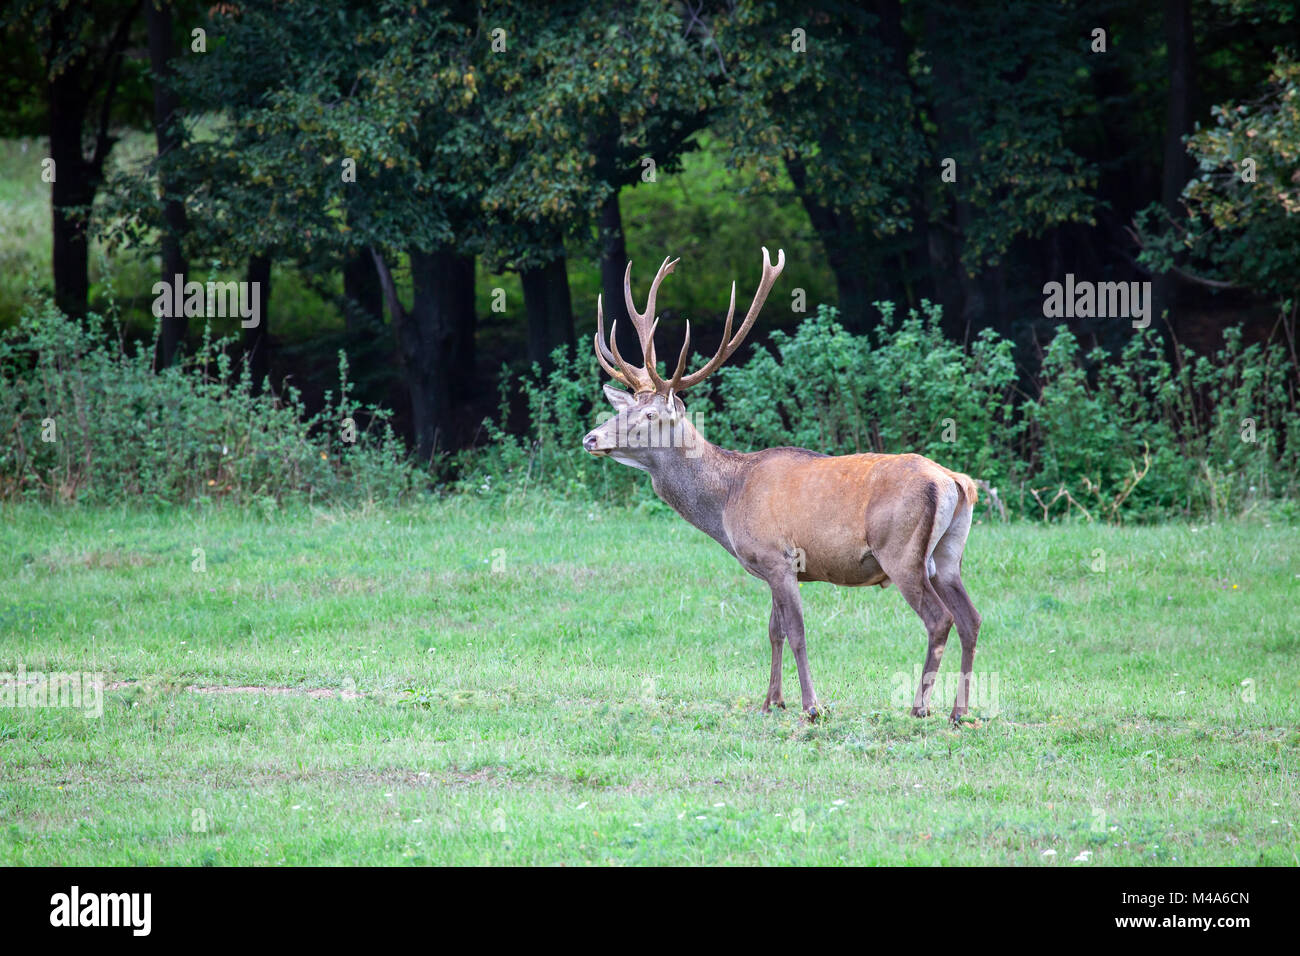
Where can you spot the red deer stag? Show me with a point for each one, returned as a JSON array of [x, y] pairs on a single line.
[[789, 514]]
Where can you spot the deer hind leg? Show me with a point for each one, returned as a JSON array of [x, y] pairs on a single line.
[[917, 590], [777, 637], [910, 565], [951, 590]]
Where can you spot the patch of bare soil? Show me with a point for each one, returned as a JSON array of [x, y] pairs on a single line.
[[316, 693]]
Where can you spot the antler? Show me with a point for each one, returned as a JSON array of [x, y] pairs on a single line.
[[730, 343], [638, 378], [646, 378]]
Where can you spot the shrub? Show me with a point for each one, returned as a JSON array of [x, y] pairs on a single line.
[[1142, 438], [87, 419], [1106, 437], [903, 388], [562, 406]]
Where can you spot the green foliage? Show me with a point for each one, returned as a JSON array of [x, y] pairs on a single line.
[[1243, 223], [1139, 436], [548, 453], [1108, 437], [904, 97], [903, 388], [786, 85], [188, 433], [1003, 111], [716, 238], [575, 98]]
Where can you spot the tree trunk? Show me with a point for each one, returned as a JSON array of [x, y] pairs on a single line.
[[257, 348], [424, 340], [560, 302], [364, 307], [162, 50], [76, 178], [429, 338], [844, 252], [549, 309], [966, 313], [613, 267], [464, 324], [73, 186], [1178, 114], [1179, 40]]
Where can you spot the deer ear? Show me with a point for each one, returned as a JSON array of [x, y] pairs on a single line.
[[618, 398]]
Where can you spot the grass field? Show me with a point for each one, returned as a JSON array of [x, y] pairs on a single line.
[[460, 683]]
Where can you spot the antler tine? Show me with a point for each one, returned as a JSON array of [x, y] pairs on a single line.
[[638, 319], [665, 267], [607, 359], [646, 378], [675, 383], [635, 378], [645, 322], [719, 357], [729, 342]]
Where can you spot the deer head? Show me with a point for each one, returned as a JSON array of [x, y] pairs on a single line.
[[650, 420]]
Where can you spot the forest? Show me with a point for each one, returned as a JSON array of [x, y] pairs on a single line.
[[435, 194]]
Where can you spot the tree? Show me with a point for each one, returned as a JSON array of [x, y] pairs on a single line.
[[1243, 209], [868, 106], [169, 136], [81, 56], [380, 133], [793, 68], [585, 101]]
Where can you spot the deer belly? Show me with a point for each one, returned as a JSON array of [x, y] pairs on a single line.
[[859, 570]]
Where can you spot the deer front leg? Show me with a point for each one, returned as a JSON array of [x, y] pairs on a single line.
[[774, 682], [787, 613]]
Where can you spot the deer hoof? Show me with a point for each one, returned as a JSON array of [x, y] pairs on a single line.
[[920, 711], [955, 718], [813, 713]]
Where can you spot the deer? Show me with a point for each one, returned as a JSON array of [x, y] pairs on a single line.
[[790, 515]]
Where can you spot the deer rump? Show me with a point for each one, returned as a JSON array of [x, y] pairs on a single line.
[[850, 520]]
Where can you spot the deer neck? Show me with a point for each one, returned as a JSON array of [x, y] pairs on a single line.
[[697, 486]]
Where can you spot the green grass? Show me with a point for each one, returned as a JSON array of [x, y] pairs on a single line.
[[593, 697]]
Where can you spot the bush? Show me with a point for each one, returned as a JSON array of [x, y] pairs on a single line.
[[1215, 435], [903, 388], [87, 419], [562, 405], [1124, 437]]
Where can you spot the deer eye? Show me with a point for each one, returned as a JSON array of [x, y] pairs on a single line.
[[651, 415]]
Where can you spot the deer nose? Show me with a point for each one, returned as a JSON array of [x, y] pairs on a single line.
[[589, 443]]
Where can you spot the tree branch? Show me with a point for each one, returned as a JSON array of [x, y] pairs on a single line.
[[113, 60], [1176, 270], [388, 287]]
